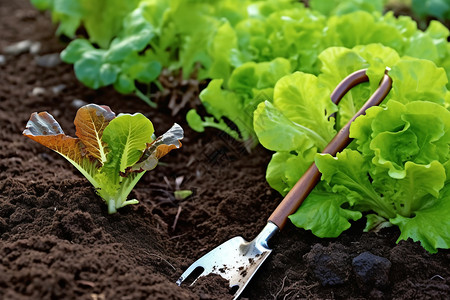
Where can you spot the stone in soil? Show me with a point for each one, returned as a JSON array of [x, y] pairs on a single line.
[[48, 60], [18, 48], [38, 91], [371, 271], [57, 89], [35, 48], [77, 103], [330, 265]]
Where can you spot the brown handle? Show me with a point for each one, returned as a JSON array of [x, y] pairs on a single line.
[[311, 177], [347, 84]]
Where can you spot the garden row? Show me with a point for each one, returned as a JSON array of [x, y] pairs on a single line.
[[272, 66]]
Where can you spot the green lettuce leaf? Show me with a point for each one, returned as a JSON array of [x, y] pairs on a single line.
[[127, 137], [322, 212], [102, 19], [348, 173], [430, 225], [258, 76], [365, 28], [75, 50], [286, 168], [277, 133], [297, 136], [123, 63], [307, 104], [409, 202], [223, 103], [109, 13], [417, 132], [416, 191], [248, 85], [415, 79], [398, 174], [88, 68], [220, 50], [378, 58]]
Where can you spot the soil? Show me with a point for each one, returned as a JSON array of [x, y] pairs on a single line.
[[58, 241]]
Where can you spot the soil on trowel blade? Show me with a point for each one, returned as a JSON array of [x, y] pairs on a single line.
[[57, 240]]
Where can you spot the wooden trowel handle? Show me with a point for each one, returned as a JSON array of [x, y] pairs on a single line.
[[311, 177]]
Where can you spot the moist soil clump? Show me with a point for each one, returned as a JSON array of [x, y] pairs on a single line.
[[57, 240]]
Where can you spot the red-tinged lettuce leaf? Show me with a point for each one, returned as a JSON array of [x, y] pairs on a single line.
[[90, 122], [160, 147], [44, 129]]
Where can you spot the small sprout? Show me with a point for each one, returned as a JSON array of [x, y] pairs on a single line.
[[182, 194]]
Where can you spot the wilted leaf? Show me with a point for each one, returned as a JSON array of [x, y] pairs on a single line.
[[160, 147], [44, 129]]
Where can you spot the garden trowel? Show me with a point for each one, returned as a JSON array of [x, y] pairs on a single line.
[[237, 260]]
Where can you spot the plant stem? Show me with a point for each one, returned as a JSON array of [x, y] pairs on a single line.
[[159, 85], [145, 98], [112, 206]]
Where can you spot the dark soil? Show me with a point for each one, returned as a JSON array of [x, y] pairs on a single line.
[[58, 241]]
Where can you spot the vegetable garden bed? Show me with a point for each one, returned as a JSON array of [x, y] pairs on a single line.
[[58, 241]]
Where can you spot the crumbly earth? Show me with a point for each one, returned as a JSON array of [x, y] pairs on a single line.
[[57, 240]]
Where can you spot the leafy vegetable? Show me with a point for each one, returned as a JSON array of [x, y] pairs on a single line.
[[404, 186], [436, 8], [395, 170], [297, 125], [247, 86], [112, 152], [121, 64], [71, 14]]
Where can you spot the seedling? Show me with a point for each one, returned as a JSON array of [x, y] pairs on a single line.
[[112, 152]]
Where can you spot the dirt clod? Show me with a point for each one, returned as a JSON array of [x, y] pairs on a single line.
[[371, 271], [330, 265]]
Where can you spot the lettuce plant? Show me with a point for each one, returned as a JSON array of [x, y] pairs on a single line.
[[112, 152], [397, 174], [431, 8], [396, 170], [120, 64], [72, 14], [248, 85]]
